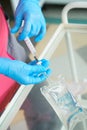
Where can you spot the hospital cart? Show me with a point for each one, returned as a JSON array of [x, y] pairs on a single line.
[[69, 63]]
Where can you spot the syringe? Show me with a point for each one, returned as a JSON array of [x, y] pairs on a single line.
[[31, 47], [33, 51]]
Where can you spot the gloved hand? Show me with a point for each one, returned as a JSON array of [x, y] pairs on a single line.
[[34, 22], [25, 73]]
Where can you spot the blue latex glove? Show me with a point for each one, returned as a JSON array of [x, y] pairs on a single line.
[[34, 22], [25, 73]]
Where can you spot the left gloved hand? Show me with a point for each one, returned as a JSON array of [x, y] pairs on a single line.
[[23, 73], [34, 22]]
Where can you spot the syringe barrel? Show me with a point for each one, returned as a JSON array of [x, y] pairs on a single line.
[[30, 46]]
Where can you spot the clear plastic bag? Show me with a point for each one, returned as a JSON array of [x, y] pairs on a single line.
[[64, 103]]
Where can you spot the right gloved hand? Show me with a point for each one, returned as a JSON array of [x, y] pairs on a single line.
[[25, 73], [30, 12]]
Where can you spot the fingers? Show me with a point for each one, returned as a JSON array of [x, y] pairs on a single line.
[[43, 62], [43, 67], [35, 79], [18, 22], [30, 29], [41, 33], [40, 73], [37, 69], [25, 30]]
